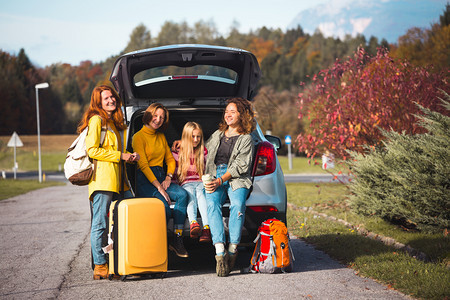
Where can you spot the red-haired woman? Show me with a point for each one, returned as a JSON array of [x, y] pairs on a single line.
[[104, 113]]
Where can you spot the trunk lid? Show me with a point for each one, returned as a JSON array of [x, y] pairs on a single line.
[[196, 75]]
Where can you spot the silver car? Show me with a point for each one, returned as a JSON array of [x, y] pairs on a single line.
[[194, 82]]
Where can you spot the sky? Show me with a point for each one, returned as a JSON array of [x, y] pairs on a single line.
[[67, 31]]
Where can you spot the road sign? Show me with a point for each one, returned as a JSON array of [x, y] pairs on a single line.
[[15, 141], [288, 140]]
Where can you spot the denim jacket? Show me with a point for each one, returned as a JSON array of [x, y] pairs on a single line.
[[239, 165]]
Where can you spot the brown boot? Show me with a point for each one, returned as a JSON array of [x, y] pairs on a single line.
[[101, 272], [233, 257], [177, 246], [222, 267]]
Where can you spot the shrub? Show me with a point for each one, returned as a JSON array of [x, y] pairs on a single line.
[[345, 104], [408, 178]]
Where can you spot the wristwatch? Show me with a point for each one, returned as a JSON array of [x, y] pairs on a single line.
[[170, 175]]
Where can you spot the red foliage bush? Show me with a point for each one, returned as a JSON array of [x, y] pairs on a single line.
[[347, 104]]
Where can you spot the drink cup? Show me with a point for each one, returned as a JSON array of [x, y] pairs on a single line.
[[207, 178]]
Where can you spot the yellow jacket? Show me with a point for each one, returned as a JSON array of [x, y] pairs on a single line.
[[108, 174]]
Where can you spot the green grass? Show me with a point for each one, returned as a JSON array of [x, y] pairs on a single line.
[[303, 165], [370, 258], [10, 187], [29, 161]]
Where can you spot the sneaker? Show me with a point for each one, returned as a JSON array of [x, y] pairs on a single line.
[[233, 257], [206, 236], [222, 267], [195, 230], [101, 272], [177, 246]]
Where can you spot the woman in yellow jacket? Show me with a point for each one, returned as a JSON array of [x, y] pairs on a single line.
[[104, 113]]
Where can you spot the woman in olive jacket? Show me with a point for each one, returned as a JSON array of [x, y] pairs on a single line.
[[104, 114], [230, 153]]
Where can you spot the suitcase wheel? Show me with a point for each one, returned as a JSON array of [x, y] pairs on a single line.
[[123, 277], [158, 275]]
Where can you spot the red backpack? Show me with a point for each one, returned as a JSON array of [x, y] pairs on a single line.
[[273, 253]]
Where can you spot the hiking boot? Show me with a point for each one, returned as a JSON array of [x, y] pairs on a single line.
[[101, 272], [222, 268], [195, 230], [206, 236], [233, 257], [177, 246]]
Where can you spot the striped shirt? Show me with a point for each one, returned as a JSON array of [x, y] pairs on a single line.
[[191, 174]]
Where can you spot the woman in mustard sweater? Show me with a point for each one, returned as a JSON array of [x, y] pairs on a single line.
[[104, 114], [152, 180]]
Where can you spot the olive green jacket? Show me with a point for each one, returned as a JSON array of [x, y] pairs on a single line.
[[239, 165]]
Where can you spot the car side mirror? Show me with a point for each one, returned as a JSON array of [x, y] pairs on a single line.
[[274, 140]]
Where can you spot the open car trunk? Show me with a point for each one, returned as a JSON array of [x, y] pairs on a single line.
[[208, 119]]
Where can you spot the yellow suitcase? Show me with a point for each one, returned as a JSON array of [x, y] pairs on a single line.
[[139, 237]]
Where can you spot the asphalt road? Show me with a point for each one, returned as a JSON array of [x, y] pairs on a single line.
[[59, 176], [45, 253]]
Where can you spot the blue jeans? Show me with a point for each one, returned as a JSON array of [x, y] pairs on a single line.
[[197, 200], [100, 207], [145, 188], [215, 202]]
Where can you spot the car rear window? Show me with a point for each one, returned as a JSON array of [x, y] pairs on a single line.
[[198, 72], [193, 81]]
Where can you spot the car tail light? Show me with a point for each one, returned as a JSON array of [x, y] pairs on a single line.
[[265, 162], [260, 209]]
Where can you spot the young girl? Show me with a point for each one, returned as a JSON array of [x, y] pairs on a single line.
[[191, 159]]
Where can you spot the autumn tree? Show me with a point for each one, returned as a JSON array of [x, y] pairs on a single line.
[[276, 111], [427, 46], [18, 98], [261, 48], [345, 105]]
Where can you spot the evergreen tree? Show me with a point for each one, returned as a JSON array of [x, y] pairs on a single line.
[[444, 19], [140, 38], [408, 179]]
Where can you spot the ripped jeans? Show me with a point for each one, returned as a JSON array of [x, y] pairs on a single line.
[[215, 202]]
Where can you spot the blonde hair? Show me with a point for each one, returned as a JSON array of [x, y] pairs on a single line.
[[188, 153]]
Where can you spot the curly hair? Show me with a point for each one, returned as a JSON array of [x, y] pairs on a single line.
[[95, 108], [246, 121]]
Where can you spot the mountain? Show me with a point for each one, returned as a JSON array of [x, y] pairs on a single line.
[[388, 19]]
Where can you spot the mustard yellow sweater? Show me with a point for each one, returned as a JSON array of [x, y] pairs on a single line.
[[153, 148]]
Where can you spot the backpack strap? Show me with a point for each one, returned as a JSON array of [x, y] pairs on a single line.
[[273, 251], [255, 255], [102, 140]]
